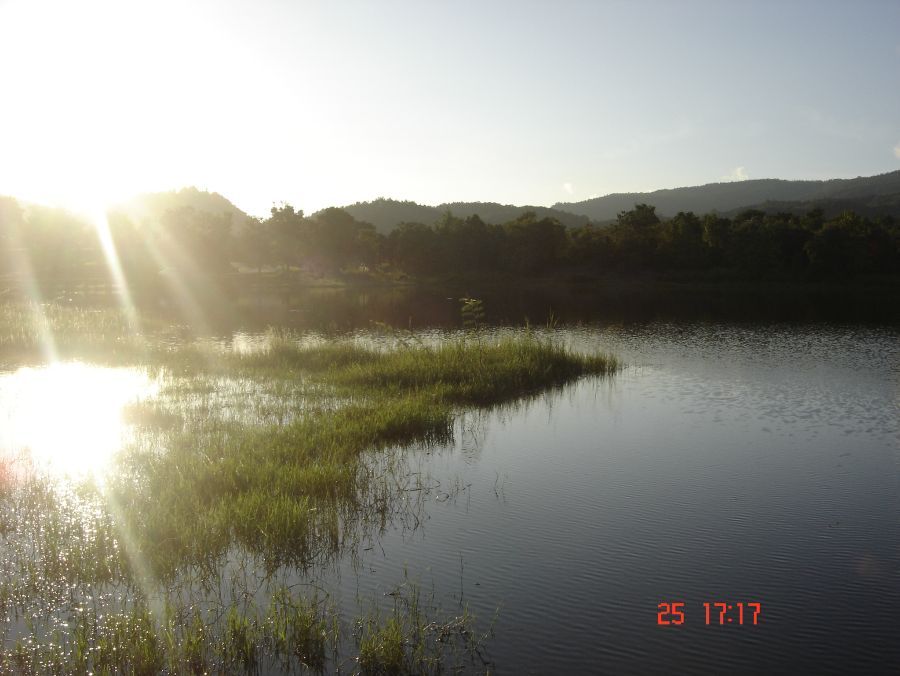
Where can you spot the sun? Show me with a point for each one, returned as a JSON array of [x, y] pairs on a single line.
[[66, 419], [93, 116]]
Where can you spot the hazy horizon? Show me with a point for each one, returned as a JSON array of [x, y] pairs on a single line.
[[527, 103], [277, 203]]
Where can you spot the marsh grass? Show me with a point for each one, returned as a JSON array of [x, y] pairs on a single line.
[[277, 481], [472, 372], [406, 640], [266, 449], [31, 333]]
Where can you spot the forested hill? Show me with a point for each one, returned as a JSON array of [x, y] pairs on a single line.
[[491, 212], [153, 206], [386, 214], [872, 206], [733, 196]]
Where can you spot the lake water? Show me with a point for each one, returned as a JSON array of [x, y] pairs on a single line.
[[728, 463]]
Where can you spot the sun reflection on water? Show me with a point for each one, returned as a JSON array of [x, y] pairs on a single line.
[[67, 418]]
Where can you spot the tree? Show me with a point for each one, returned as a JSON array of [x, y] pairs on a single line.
[[681, 242], [254, 245], [196, 239], [590, 245], [287, 231], [533, 245], [753, 245], [643, 216], [634, 235], [413, 248], [467, 244], [336, 239], [716, 237], [139, 265]]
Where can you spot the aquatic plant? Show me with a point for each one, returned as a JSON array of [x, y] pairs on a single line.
[[266, 453]]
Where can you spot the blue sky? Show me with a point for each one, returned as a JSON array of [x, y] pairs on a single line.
[[322, 103]]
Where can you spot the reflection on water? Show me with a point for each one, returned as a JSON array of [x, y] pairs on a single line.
[[729, 462], [337, 310], [66, 418]]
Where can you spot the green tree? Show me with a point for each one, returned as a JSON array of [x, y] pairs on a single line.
[[197, 239], [532, 245], [753, 244], [716, 237], [288, 232], [135, 252], [467, 244], [681, 242], [635, 237], [642, 217], [413, 248], [337, 240], [590, 245], [254, 245]]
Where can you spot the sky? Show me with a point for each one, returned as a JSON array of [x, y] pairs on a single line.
[[333, 102]]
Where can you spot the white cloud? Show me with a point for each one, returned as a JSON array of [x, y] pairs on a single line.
[[737, 174], [897, 151], [569, 188]]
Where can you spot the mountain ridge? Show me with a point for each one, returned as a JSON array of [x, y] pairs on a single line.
[[729, 196], [152, 205], [869, 195], [385, 213]]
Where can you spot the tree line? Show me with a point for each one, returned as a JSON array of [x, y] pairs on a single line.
[[753, 244], [199, 245]]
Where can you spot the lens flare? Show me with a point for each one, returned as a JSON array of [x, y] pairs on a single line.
[[67, 418]]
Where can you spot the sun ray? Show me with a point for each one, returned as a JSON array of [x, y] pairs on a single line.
[[169, 256], [24, 275], [111, 256]]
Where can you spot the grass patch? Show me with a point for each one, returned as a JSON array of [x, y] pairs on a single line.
[[262, 451], [277, 488]]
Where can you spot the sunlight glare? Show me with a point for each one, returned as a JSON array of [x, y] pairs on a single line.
[[67, 418], [111, 256]]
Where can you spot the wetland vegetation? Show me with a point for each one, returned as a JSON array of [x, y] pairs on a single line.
[[247, 465]]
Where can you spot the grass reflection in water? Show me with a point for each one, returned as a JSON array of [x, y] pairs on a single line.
[[245, 471]]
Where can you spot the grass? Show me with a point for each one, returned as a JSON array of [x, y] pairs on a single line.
[[263, 454], [405, 641], [301, 630], [276, 489], [296, 634]]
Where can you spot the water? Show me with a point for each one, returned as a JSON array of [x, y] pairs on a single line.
[[729, 463], [66, 418]]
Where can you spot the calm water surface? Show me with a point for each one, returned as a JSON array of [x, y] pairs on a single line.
[[728, 463]]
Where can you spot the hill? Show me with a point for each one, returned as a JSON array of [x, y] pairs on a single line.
[[729, 197], [492, 212], [869, 207], [151, 206], [386, 214]]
